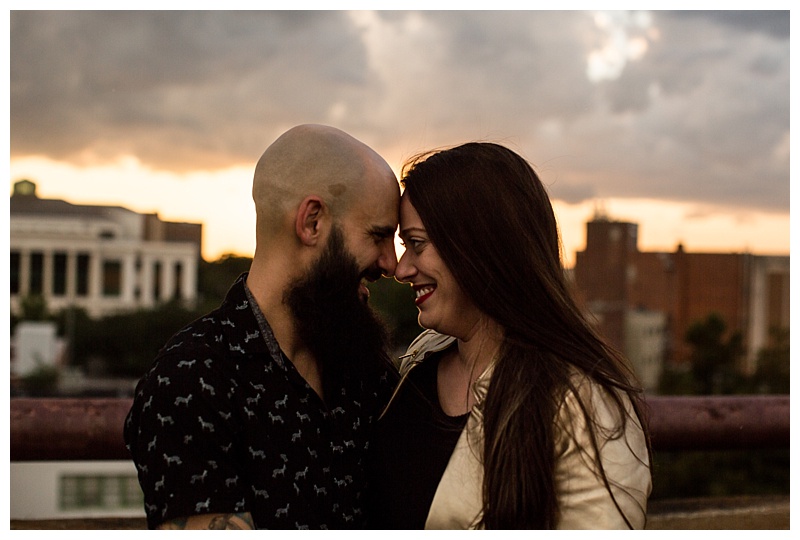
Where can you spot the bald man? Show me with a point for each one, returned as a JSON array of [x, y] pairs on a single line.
[[258, 414]]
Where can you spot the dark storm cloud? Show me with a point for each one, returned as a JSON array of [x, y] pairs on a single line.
[[701, 115], [775, 23], [179, 90]]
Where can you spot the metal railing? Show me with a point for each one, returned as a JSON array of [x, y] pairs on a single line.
[[91, 429], [61, 429]]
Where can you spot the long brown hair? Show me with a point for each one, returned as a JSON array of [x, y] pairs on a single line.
[[490, 218]]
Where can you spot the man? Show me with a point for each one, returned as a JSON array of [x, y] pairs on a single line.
[[257, 415]]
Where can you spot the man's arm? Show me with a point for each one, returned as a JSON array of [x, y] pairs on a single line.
[[242, 521]]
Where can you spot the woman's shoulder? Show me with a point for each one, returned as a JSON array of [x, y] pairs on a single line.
[[426, 343], [591, 420], [608, 408]]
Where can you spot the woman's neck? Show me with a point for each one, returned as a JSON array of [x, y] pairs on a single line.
[[479, 350], [475, 355], [462, 365]]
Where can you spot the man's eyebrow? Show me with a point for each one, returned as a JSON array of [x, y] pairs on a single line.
[[383, 232]]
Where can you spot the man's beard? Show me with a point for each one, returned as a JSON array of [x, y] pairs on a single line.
[[344, 334]]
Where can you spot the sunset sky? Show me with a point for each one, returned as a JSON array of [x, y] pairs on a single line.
[[678, 121]]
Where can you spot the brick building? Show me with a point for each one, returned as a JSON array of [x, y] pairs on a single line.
[[644, 302]]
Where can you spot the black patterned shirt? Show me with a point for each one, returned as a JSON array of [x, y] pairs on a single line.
[[223, 423]]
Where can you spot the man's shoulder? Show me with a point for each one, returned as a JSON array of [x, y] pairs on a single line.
[[198, 342], [207, 333], [190, 365], [200, 334]]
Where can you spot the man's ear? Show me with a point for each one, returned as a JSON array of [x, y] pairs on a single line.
[[310, 213]]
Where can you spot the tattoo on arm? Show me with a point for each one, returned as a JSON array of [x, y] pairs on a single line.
[[240, 521], [228, 522]]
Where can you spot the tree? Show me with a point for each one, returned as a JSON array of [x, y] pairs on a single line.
[[42, 381], [712, 370], [216, 277], [772, 373], [33, 308], [714, 357]]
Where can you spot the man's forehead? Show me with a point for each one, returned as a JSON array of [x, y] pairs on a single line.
[[382, 206], [374, 217]]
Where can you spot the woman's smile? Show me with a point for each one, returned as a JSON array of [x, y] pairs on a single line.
[[423, 293]]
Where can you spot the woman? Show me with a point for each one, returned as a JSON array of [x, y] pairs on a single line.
[[511, 412]]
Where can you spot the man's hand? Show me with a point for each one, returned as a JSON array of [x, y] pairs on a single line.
[[243, 521]]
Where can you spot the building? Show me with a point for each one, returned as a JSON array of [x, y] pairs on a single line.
[[105, 259], [644, 302], [35, 345], [51, 490]]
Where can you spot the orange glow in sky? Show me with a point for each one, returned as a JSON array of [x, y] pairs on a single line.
[[221, 200]]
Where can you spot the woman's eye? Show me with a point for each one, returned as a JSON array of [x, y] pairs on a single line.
[[414, 243]]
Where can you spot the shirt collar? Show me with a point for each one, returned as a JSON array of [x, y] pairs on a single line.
[[266, 331]]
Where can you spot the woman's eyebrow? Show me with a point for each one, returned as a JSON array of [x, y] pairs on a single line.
[[405, 232]]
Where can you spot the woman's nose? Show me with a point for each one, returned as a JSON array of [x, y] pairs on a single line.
[[405, 269]]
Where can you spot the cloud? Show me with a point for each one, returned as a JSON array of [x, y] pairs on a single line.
[[691, 106], [713, 116], [774, 23], [179, 90]]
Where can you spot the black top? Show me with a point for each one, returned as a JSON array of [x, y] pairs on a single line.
[[410, 451], [223, 423]]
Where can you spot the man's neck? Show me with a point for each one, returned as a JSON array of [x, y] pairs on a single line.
[[269, 296]]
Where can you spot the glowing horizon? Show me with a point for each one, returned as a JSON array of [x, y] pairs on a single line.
[[221, 201]]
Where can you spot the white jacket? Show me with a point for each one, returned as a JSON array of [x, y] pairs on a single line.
[[583, 500]]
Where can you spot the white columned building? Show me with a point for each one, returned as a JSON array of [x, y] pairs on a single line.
[[100, 258]]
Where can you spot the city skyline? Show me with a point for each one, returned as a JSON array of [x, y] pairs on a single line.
[[677, 121]]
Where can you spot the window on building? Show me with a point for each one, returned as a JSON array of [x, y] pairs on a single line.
[[98, 491], [37, 273], [178, 281], [778, 300], [82, 275], [157, 281], [137, 270], [112, 278], [14, 269], [59, 274]]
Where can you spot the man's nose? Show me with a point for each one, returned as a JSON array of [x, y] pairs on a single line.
[[388, 259]]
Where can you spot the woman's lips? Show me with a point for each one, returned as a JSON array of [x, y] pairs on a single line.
[[423, 293]]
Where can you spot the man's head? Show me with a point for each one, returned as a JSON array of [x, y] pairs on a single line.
[[314, 177], [327, 209]]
